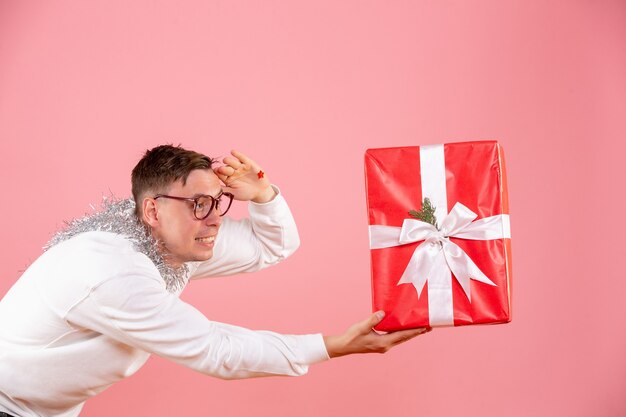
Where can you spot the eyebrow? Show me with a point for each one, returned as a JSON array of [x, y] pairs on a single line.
[[196, 195]]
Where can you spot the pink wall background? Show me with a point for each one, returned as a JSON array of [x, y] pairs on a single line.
[[305, 88]]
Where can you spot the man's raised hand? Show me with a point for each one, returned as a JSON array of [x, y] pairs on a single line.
[[244, 178]]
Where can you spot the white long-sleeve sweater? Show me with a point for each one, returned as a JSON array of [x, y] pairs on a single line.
[[91, 310]]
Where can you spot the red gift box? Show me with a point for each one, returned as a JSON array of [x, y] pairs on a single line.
[[454, 273]]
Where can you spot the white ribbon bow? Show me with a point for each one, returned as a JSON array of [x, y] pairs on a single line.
[[436, 257]]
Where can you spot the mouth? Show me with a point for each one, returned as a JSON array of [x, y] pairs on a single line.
[[206, 240]]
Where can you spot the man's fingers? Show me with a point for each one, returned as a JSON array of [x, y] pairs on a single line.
[[233, 162], [242, 157], [394, 337], [402, 336], [221, 176], [226, 170]]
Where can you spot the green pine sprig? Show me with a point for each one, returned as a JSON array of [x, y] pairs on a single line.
[[426, 214]]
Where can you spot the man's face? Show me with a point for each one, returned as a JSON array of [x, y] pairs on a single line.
[[186, 238]]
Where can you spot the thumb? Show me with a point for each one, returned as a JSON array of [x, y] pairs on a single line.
[[375, 318], [365, 327]]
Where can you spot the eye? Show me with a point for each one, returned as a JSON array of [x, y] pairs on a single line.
[[203, 204]]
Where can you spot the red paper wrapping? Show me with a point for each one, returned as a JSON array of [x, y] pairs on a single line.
[[474, 175]]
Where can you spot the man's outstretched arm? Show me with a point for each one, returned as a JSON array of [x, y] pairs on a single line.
[[135, 309]]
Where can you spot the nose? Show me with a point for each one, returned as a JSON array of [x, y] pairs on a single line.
[[214, 218]]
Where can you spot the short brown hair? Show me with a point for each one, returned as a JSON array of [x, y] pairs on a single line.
[[162, 166]]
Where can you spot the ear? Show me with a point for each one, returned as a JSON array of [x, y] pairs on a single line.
[[149, 212]]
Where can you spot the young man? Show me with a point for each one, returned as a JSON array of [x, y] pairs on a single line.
[[104, 296]]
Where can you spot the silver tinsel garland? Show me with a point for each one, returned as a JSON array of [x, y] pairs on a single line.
[[118, 216]]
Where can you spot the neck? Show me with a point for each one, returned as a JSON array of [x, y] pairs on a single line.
[[167, 256]]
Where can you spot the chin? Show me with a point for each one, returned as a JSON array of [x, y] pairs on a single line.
[[204, 256]]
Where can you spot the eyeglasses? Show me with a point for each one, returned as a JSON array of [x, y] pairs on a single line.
[[203, 205]]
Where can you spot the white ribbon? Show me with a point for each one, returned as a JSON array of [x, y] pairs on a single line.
[[437, 258]]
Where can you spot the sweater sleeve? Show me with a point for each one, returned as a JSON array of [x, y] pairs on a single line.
[[267, 237], [137, 311]]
